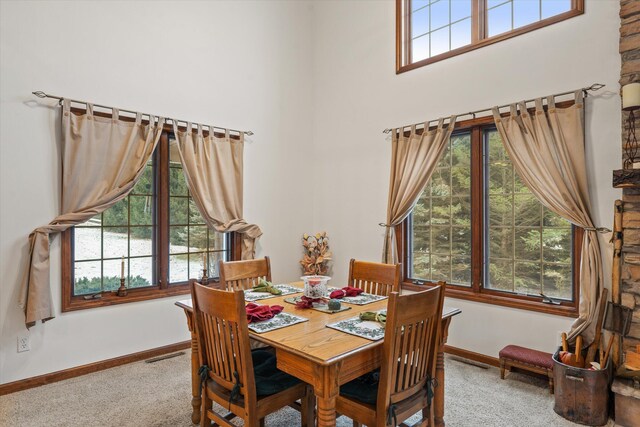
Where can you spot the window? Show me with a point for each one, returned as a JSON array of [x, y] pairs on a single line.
[[479, 228], [155, 238], [431, 30]]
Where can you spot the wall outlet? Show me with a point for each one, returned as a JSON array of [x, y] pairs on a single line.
[[23, 343]]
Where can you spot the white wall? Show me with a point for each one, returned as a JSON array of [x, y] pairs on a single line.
[[357, 94], [245, 65]]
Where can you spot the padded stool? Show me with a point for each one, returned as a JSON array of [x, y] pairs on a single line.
[[528, 360]]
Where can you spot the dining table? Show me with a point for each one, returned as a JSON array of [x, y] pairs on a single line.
[[322, 356]]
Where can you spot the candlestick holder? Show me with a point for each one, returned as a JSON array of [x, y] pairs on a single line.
[[205, 279], [122, 290]]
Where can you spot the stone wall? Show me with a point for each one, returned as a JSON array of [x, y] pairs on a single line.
[[630, 72]]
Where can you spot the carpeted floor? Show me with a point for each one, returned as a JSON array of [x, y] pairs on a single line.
[[159, 394]]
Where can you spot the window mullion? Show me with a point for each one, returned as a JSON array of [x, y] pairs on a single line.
[[478, 8], [477, 215], [162, 218]]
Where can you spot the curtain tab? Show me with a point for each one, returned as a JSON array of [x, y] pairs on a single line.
[[539, 106], [115, 114], [413, 130], [496, 114], [139, 119], [579, 96], [551, 102], [89, 111], [199, 129], [66, 106]]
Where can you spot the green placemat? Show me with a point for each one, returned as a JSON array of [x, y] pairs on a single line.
[[318, 306]]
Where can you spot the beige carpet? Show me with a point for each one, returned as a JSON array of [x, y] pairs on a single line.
[[159, 394]]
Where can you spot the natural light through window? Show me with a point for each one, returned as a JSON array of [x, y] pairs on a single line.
[[431, 30]]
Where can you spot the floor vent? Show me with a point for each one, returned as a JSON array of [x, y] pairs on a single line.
[[166, 356]]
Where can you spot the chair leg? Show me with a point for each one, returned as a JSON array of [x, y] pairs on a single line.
[[550, 375], [502, 368], [307, 408], [261, 422], [356, 424], [205, 405]]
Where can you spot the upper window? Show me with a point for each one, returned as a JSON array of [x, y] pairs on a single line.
[[480, 229], [155, 238], [431, 30]]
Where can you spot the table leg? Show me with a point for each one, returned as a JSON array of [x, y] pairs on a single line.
[[326, 389], [438, 399]]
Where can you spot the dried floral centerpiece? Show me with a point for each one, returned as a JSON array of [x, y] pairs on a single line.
[[317, 255]]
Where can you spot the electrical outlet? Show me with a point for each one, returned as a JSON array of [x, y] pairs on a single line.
[[23, 343]]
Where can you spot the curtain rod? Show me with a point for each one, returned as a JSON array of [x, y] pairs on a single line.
[[41, 94], [594, 87]]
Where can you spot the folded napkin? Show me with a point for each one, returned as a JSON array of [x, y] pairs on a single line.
[[375, 316], [264, 286], [306, 302], [347, 291], [258, 313]]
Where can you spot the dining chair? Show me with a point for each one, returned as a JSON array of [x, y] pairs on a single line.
[[404, 384], [244, 382], [374, 278], [244, 274]]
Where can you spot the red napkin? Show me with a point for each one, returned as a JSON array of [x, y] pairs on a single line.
[[257, 313], [347, 291], [306, 302]]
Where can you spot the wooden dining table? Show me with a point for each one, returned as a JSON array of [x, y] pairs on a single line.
[[320, 356]]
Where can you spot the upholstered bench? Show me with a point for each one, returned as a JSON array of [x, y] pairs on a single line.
[[528, 360]]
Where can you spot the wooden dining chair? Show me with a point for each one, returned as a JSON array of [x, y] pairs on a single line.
[[246, 383], [374, 278], [403, 385], [244, 274]]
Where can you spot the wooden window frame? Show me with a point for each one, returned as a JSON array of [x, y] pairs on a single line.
[[478, 32], [477, 292], [161, 289]]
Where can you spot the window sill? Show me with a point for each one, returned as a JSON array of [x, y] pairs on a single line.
[[133, 295], [497, 298]]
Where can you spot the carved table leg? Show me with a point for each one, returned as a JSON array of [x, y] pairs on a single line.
[[326, 389], [438, 399]]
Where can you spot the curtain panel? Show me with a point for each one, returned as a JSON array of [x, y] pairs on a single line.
[[413, 160], [102, 159], [547, 150], [213, 169]]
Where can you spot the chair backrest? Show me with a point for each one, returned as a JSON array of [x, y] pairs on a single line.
[[410, 343], [221, 325], [241, 275], [374, 278]]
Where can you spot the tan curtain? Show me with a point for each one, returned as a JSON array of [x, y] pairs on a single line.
[[213, 168], [413, 160], [102, 159], [547, 150]]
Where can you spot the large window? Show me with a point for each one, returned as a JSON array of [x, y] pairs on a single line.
[[479, 228], [155, 238], [431, 30]]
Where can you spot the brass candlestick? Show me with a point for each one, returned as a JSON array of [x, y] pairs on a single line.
[[122, 290], [205, 279]]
